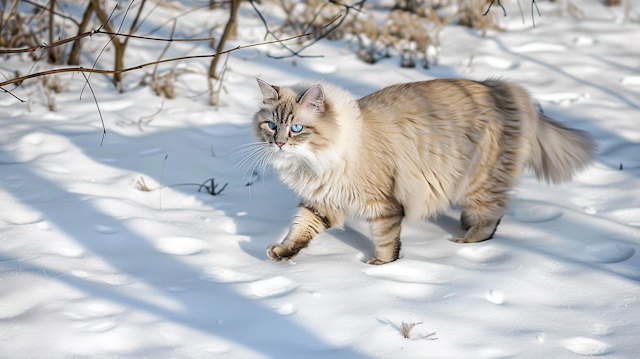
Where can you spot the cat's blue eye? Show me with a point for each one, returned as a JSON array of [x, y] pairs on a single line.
[[296, 128], [272, 125]]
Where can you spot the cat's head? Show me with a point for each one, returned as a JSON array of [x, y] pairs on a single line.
[[295, 121]]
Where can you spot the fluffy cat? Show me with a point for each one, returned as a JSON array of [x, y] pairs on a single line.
[[408, 150]]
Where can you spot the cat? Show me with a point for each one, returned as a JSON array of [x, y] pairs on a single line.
[[408, 150]]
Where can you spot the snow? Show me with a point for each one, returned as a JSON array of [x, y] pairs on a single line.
[[91, 265]]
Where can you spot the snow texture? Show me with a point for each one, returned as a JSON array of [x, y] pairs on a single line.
[[92, 266]]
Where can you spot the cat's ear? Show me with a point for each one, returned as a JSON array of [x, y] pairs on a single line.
[[313, 99], [269, 93]]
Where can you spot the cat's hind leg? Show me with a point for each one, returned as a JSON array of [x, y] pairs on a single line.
[[481, 214], [307, 223], [386, 236]]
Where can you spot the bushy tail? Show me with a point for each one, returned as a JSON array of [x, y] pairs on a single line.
[[559, 152]]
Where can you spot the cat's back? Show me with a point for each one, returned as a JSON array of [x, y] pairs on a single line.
[[434, 95]]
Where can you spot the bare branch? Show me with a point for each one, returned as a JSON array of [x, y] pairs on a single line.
[[499, 4], [104, 129], [10, 93], [533, 2], [94, 32], [85, 70], [42, 7], [342, 17]]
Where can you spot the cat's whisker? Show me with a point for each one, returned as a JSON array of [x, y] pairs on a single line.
[[263, 160], [265, 164], [262, 143], [254, 163], [251, 155], [242, 152]]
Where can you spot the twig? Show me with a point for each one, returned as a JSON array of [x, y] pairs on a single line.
[[521, 12], [171, 19], [342, 18], [533, 2], [11, 93], [212, 189], [143, 120], [104, 128], [135, 21], [146, 16], [164, 51], [297, 53], [489, 8], [90, 33], [55, 12]]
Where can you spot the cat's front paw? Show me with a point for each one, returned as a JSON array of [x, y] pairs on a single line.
[[375, 261], [278, 252]]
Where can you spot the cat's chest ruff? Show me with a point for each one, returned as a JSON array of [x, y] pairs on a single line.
[[340, 192]]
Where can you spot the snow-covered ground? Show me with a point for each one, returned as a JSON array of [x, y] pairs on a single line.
[[90, 265]]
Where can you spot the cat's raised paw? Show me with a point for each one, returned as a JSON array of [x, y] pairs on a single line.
[[375, 261], [279, 252]]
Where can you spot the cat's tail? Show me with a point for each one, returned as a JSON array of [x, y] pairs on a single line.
[[559, 152]]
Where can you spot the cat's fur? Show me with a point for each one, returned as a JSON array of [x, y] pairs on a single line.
[[409, 150]]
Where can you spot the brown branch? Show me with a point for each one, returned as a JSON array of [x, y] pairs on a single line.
[[89, 33], [84, 70]]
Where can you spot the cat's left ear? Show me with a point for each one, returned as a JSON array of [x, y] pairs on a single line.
[[313, 99]]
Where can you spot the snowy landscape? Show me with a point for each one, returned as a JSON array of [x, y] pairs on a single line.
[[92, 265]]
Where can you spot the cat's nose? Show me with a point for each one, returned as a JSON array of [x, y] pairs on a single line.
[[280, 144]]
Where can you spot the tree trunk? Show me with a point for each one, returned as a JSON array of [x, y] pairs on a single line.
[[74, 56], [228, 30]]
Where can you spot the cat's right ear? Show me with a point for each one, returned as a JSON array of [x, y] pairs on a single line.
[[269, 93]]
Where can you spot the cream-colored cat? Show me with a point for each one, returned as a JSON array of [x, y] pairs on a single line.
[[408, 150]]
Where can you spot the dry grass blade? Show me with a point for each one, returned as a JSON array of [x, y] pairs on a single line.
[[142, 185], [406, 328], [430, 335]]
